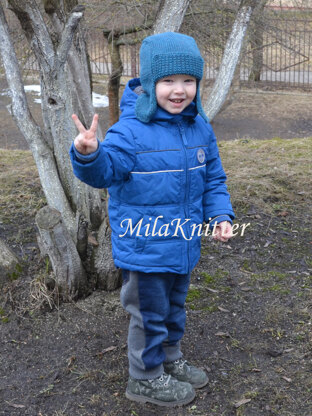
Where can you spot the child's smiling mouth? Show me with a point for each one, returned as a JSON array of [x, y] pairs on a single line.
[[176, 100]]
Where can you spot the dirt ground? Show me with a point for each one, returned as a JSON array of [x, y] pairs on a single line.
[[249, 307]]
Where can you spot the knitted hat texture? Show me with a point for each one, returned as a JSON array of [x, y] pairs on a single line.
[[162, 55]]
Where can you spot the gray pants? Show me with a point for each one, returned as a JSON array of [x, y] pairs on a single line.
[[155, 302]]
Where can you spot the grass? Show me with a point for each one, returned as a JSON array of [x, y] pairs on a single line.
[[193, 294], [273, 175], [21, 192]]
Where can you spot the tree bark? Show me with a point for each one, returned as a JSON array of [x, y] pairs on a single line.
[[104, 262], [230, 59], [170, 15], [115, 75], [70, 276]]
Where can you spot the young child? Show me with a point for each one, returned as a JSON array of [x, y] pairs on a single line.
[[161, 166]]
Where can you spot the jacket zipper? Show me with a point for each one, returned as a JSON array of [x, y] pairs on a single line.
[[186, 199]]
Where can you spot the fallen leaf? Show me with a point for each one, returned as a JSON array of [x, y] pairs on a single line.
[[112, 348], [246, 289], [283, 214], [241, 402], [212, 290], [223, 309], [17, 406], [222, 334]]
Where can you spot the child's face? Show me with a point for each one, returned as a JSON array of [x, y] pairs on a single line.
[[175, 92]]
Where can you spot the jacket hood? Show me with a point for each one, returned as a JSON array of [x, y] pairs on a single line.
[[128, 106]]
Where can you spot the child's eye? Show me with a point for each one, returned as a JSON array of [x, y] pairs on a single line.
[[190, 80], [167, 80]]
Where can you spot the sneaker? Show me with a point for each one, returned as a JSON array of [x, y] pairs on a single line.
[[182, 371], [163, 391]]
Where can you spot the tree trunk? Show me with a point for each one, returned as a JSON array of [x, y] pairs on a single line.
[[256, 42], [70, 276], [230, 58], [103, 260], [115, 75], [170, 15]]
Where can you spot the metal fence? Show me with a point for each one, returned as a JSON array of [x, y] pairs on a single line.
[[285, 56], [286, 53]]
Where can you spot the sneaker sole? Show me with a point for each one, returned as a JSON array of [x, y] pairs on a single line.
[[200, 386], [144, 399]]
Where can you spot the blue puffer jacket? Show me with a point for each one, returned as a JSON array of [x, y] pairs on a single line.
[[164, 178]]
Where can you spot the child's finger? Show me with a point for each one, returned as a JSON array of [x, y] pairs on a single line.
[[78, 124], [94, 123]]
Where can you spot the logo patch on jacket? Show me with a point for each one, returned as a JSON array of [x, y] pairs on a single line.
[[200, 155]]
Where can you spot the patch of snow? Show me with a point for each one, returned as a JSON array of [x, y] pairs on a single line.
[[33, 88], [99, 100]]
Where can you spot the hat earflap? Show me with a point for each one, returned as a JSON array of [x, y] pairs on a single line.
[[146, 106], [198, 103]]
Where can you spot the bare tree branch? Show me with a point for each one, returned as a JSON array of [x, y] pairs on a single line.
[[67, 36], [36, 31]]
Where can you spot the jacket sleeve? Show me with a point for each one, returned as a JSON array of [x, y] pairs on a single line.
[[113, 160], [217, 204]]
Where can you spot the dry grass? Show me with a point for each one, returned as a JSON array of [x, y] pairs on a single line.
[[21, 192], [273, 175]]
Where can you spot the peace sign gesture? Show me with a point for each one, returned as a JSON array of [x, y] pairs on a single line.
[[86, 141]]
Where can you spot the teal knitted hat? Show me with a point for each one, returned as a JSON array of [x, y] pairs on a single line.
[[162, 55]]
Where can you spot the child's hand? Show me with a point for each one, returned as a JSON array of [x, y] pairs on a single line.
[[223, 231], [86, 141]]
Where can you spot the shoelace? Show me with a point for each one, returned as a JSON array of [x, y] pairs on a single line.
[[180, 362], [162, 378]]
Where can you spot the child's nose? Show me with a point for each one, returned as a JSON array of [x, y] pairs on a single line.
[[179, 88]]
